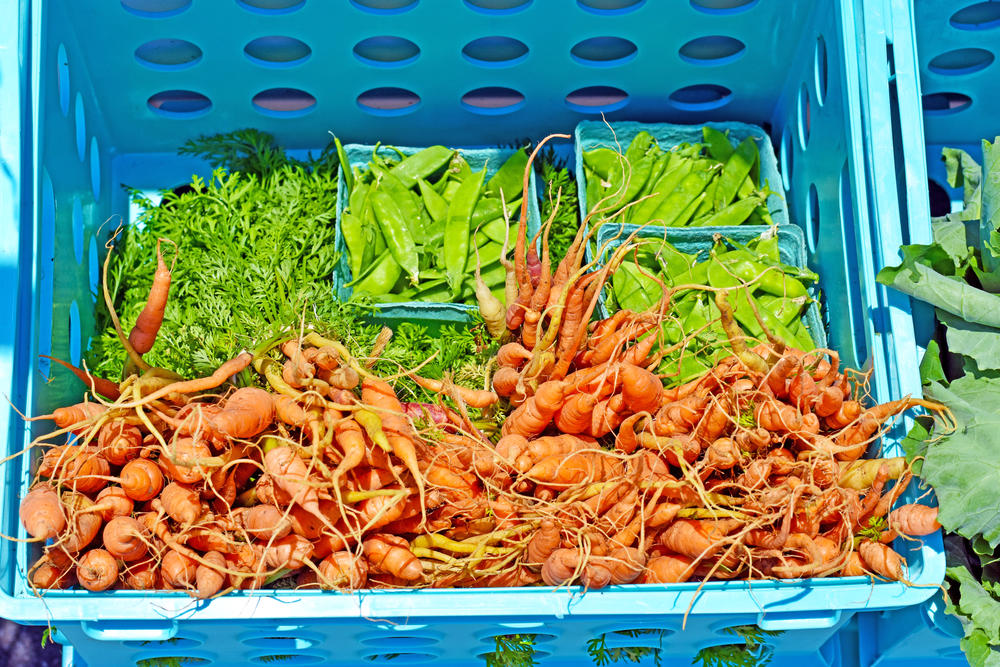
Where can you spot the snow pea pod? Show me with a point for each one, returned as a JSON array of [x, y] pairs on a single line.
[[345, 165], [397, 236], [676, 171], [686, 191], [405, 198], [422, 164], [352, 229], [601, 161], [737, 169], [380, 278], [509, 178], [457, 228], [719, 146], [786, 309], [733, 214], [435, 204], [489, 208], [660, 165], [768, 279]]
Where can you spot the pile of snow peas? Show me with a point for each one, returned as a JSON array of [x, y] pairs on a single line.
[[708, 184], [415, 226], [763, 291]]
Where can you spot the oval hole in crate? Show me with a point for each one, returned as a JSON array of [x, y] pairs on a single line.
[[980, 16], [942, 104], [284, 102], [821, 70], [610, 6], [386, 51], [80, 121], [271, 6], [961, 61], [287, 659], [62, 78], [93, 263], [77, 222], [787, 158], [388, 101], [408, 658], [168, 54], [172, 660], [805, 120], [593, 99], [812, 217], [495, 51], [848, 223], [277, 51], [95, 168], [385, 6], [156, 8], [179, 103], [723, 6], [279, 644], [493, 100], [604, 51], [700, 97], [399, 643], [173, 642], [497, 6], [712, 50]]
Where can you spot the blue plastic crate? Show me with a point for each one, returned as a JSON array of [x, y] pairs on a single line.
[[101, 94], [423, 311]]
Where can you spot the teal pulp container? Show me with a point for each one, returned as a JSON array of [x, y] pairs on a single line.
[[96, 95]]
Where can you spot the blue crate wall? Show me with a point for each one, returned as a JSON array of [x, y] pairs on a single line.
[[298, 68]]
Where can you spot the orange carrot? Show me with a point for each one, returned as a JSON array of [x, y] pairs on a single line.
[[379, 511], [119, 442], [574, 415], [505, 381], [76, 414], [105, 388], [581, 467], [512, 355], [147, 325], [668, 569], [343, 569], [475, 398], [545, 540], [391, 554], [914, 519], [882, 560], [209, 580], [125, 538], [595, 574], [290, 473], [141, 480], [42, 512], [181, 503], [97, 570], [266, 522], [531, 417], [184, 459], [83, 526], [854, 567], [641, 389], [48, 576], [291, 552], [177, 570], [626, 564], [144, 576], [351, 438], [560, 567], [288, 411]]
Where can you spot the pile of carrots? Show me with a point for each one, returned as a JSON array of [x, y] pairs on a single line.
[[319, 474]]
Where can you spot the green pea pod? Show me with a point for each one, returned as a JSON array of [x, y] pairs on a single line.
[[422, 164], [734, 214], [673, 262], [767, 279], [496, 230], [660, 165], [450, 189], [397, 236], [509, 178], [441, 183], [735, 172], [719, 146], [686, 191], [374, 241], [457, 232], [786, 309], [676, 172], [696, 275], [707, 205], [688, 211], [356, 201], [380, 278], [595, 191], [345, 165], [601, 161], [351, 228], [631, 176], [804, 340], [767, 247], [489, 208], [489, 252], [748, 320], [405, 198], [435, 204]]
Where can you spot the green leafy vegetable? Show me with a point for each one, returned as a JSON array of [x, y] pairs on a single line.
[[753, 651], [603, 655], [513, 651]]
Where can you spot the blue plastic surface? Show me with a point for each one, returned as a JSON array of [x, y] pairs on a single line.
[[76, 121], [923, 635], [422, 311]]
